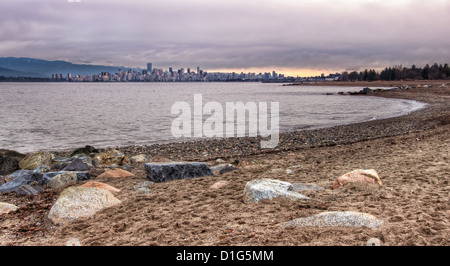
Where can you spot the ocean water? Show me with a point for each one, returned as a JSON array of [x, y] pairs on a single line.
[[61, 116]]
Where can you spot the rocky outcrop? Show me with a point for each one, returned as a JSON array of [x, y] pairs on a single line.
[[359, 176], [337, 219], [80, 202], [162, 172], [265, 188]]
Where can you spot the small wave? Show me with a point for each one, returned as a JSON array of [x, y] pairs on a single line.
[[414, 106]]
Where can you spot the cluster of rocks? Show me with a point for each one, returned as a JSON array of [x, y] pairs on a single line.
[[367, 90], [42, 170], [33, 173], [265, 188], [257, 190]]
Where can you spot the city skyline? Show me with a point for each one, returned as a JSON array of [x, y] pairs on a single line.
[[297, 38]]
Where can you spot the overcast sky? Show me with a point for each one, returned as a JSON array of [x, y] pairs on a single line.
[[291, 36]]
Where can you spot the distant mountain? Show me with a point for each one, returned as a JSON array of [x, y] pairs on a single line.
[[19, 66], [6, 72]]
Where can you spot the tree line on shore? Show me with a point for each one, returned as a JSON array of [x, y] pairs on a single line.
[[400, 73]]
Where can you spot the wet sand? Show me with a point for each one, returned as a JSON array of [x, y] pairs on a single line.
[[410, 153]]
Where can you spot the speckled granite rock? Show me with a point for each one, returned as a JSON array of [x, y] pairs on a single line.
[[80, 202], [265, 188], [345, 219], [35, 160]]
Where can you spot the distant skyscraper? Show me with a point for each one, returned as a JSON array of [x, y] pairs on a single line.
[[149, 67]]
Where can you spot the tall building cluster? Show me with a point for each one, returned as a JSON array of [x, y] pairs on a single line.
[[152, 74]]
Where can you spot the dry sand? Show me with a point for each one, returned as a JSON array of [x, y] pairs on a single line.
[[410, 154]]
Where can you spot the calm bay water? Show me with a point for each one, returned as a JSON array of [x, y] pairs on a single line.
[[59, 116]]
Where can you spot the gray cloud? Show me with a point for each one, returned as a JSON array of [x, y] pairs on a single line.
[[339, 34]]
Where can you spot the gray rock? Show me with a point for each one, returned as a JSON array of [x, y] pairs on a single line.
[[62, 159], [18, 173], [81, 176], [143, 187], [333, 219], [219, 167], [162, 172], [61, 180], [223, 168], [41, 169], [227, 169], [265, 188], [366, 90], [77, 165], [306, 186], [26, 179]]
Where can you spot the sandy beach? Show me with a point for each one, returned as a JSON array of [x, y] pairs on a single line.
[[410, 153]]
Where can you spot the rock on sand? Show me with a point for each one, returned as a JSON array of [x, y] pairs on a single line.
[[360, 176], [345, 219], [162, 172], [219, 185], [80, 202], [265, 188], [7, 208], [116, 173]]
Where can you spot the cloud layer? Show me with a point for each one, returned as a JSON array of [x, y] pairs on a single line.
[[216, 34]]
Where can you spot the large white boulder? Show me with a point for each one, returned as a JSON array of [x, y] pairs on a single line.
[[80, 202]]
